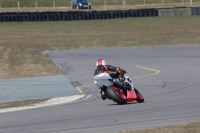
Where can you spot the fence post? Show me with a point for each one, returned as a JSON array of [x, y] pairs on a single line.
[[124, 3], [88, 4], [182, 2], [104, 4], [144, 2], [36, 6], [0, 6], [162, 2], [54, 4], [190, 2], [18, 5]]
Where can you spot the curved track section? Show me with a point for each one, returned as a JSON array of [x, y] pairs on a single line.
[[171, 96]]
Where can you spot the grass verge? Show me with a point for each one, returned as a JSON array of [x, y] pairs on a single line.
[[182, 128]]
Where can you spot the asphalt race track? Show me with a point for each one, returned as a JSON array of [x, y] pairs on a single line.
[[167, 76]]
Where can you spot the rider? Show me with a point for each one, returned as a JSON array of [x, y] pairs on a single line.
[[101, 66]]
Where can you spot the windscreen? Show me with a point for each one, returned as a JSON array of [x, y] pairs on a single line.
[[82, 0]]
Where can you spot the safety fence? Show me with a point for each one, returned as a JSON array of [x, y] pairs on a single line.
[[91, 15]]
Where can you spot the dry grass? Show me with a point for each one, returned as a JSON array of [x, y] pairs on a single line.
[[183, 128], [22, 103], [22, 44]]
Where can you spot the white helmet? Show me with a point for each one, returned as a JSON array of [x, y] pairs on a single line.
[[101, 62]]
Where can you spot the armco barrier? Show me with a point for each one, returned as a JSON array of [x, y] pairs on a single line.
[[74, 15]]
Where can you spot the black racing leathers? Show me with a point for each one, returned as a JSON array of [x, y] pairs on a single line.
[[116, 72]]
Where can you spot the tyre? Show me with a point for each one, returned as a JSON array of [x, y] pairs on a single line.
[[113, 94], [140, 98]]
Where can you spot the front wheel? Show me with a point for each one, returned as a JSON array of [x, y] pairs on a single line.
[[120, 98], [140, 98]]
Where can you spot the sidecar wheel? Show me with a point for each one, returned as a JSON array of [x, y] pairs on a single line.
[[115, 96]]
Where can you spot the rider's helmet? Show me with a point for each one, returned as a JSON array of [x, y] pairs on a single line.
[[101, 62]]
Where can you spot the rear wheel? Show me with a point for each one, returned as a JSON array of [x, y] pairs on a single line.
[[120, 98], [140, 98]]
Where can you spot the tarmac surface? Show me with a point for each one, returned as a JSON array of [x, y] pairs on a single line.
[[18, 89], [167, 76]]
